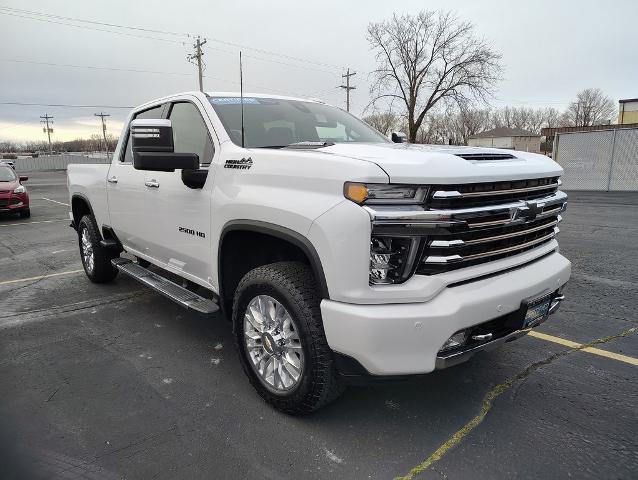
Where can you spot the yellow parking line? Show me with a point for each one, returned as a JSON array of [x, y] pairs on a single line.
[[595, 351], [40, 277]]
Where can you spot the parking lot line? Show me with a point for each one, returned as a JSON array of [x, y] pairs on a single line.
[[55, 201], [595, 351], [498, 390], [33, 223], [40, 277]]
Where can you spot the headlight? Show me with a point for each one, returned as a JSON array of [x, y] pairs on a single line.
[[392, 258], [20, 189], [375, 193]]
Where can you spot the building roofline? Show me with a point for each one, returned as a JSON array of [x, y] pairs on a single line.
[[628, 100]]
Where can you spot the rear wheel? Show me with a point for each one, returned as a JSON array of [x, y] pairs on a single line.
[[280, 337], [96, 259]]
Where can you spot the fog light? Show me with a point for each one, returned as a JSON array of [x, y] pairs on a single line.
[[457, 340]]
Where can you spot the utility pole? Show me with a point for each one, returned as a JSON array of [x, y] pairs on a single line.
[[48, 130], [106, 145], [197, 57], [347, 87]]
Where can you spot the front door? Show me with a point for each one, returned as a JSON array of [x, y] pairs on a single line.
[[179, 233], [127, 195]]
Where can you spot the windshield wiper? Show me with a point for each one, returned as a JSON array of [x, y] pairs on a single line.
[[300, 145], [310, 145]]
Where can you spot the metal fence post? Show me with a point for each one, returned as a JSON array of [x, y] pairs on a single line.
[[611, 162]]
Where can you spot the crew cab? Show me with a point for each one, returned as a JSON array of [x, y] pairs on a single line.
[[335, 253]]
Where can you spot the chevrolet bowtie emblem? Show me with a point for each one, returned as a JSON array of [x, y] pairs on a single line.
[[529, 212]]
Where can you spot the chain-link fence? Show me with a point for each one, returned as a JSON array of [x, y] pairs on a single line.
[[56, 162], [601, 160]]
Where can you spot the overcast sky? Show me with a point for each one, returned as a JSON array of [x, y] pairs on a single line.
[[551, 49]]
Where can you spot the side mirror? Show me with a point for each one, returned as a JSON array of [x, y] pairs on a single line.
[[399, 137], [152, 145], [23, 178]]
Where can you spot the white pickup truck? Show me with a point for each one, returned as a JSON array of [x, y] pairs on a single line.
[[336, 253]]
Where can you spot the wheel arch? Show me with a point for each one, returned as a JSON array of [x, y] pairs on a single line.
[[277, 240], [80, 206]]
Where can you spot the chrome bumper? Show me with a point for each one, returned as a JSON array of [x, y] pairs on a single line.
[[445, 361]]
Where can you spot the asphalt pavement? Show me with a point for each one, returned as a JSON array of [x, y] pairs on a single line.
[[114, 381]]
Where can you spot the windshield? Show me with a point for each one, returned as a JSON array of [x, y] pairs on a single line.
[[273, 122], [7, 174]]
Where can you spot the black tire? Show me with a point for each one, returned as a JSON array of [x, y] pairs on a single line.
[[292, 285], [102, 271], [26, 213]]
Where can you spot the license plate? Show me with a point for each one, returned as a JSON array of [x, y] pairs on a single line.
[[537, 311]]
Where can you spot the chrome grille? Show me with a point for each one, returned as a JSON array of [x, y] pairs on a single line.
[[457, 232], [500, 219], [491, 193], [463, 249]]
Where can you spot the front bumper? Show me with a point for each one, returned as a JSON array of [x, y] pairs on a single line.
[[404, 339], [13, 203], [445, 360]]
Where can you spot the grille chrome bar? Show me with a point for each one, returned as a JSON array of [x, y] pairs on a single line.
[[413, 215], [459, 242], [455, 194], [491, 253]]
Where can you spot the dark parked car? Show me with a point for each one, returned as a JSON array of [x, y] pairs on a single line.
[[13, 195]]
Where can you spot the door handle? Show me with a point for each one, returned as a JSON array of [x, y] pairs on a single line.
[[152, 184], [112, 179]]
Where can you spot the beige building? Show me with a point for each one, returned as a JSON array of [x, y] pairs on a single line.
[[511, 138], [628, 111]]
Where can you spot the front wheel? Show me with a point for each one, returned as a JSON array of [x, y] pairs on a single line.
[[280, 337], [96, 259]]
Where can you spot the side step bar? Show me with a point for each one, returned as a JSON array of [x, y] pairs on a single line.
[[171, 290]]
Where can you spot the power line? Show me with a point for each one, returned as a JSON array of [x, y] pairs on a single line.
[[30, 15], [91, 28], [93, 67], [61, 105], [133, 70], [60, 17]]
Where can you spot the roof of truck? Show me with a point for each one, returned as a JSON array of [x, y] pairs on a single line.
[[261, 95], [225, 94]]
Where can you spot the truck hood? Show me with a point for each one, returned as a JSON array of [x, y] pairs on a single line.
[[440, 164]]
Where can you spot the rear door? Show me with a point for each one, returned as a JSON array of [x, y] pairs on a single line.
[[127, 193], [179, 230]]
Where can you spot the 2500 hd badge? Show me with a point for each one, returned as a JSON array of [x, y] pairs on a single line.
[[190, 231]]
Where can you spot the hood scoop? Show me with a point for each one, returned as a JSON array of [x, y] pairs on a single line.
[[485, 156]]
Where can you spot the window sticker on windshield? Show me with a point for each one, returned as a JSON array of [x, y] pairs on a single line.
[[233, 100]]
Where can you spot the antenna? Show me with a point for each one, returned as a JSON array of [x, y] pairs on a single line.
[[241, 96]]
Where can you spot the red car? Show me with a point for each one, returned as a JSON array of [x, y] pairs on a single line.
[[13, 195]]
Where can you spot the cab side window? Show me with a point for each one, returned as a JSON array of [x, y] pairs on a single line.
[[155, 112], [190, 133]]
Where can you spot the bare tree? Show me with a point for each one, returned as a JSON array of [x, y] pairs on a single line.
[[428, 58], [383, 122], [591, 107]]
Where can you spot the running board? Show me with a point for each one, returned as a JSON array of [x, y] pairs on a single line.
[[171, 290]]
